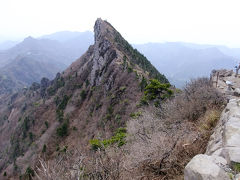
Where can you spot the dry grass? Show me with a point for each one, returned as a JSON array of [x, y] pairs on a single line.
[[105, 165], [210, 120]]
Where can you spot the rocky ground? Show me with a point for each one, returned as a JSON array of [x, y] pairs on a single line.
[[221, 160]]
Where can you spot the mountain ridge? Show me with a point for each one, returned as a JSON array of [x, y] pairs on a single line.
[[180, 63], [44, 57], [95, 95]]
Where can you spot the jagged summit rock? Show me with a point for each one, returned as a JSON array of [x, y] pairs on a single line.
[[111, 48], [103, 29], [28, 39], [99, 29]]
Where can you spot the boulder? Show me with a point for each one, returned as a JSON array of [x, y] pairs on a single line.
[[236, 92], [225, 139], [204, 167], [35, 86], [225, 73], [232, 138], [237, 177]]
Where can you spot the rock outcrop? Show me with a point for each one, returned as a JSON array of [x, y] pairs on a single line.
[[224, 144], [203, 167], [225, 141]]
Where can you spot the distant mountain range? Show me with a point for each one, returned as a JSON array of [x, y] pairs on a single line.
[[181, 62], [28, 61], [33, 59], [7, 45], [75, 42]]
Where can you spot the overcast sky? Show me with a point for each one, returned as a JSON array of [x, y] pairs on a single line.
[[139, 21]]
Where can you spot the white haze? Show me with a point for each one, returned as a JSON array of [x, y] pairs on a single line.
[[198, 21]]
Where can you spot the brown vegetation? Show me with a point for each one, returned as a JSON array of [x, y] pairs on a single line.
[[164, 140], [76, 165], [160, 142]]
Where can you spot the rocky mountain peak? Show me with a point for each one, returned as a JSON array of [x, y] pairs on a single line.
[[28, 39], [103, 29], [111, 49], [99, 28]]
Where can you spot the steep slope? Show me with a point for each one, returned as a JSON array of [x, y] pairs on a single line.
[[181, 62], [90, 99]]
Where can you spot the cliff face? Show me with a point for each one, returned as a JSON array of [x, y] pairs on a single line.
[[90, 99], [222, 158]]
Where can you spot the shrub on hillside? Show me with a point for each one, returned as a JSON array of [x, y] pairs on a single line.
[[156, 91], [83, 95], [197, 96], [63, 129], [64, 102], [44, 149], [118, 138], [29, 174]]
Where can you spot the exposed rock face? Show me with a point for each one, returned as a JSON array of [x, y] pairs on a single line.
[[103, 52], [237, 177], [222, 72], [44, 82], [225, 141], [204, 167], [236, 92], [43, 85]]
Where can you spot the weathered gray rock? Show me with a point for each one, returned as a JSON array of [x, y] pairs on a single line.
[[35, 86], [204, 167], [223, 148], [236, 92], [222, 73], [225, 73], [103, 53], [43, 85], [237, 177], [225, 140]]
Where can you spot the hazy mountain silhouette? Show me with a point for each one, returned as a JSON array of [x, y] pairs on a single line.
[[64, 36], [32, 59], [182, 61], [76, 42], [7, 45], [178, 60]]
